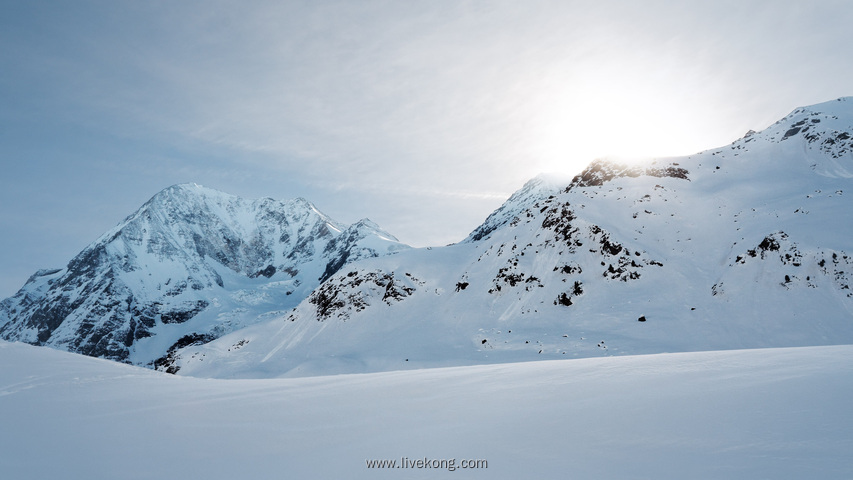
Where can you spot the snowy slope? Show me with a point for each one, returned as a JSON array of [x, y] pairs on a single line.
[[778, 413], [189, 265], [746, 246]]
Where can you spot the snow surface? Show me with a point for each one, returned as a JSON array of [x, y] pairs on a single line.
[[750, 414]]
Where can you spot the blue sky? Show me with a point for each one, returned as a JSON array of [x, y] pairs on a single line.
[[423, 116]]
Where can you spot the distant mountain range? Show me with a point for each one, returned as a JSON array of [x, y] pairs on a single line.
[[745, 246], [188, 266]]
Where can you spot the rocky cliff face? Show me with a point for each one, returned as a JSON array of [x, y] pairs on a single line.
[[750, 245], [188, 266]]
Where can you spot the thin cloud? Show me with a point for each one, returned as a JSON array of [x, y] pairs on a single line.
[[394, 110]]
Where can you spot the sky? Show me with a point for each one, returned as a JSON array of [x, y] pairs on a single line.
[[422, 116]]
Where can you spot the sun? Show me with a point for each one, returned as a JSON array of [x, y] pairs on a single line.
[[629, 123]]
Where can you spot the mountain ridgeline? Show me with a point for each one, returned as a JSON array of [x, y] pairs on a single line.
[[744, 246]]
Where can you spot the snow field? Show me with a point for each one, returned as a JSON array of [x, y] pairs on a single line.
[[765, 413]]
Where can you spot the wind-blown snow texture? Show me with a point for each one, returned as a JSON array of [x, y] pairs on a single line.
[[190, 265], [746, 246], [779, 413]]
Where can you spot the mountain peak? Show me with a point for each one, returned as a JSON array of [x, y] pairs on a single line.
[[185, 197], [190, 189], [369, 226], [817, 137], [541, 186], [301, 202], [835, 116], [839, 106]]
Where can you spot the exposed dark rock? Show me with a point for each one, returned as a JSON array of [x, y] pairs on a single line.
[[600, 172], [167, 363], [769, 243], [181, 315], [268, 272], [564, 299]]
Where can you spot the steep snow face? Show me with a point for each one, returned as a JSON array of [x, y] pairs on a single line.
[[746, 246], [189, 265]]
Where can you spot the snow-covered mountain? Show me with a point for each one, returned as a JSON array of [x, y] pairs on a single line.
[[746, 246], [190, 265]]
